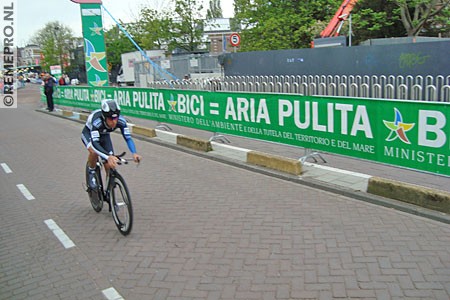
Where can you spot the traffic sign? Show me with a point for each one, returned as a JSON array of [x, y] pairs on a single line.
[[235, 39]]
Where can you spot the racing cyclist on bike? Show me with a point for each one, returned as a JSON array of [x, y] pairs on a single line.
[[95, 137]]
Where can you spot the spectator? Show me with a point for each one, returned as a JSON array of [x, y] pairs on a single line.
[[61, 80], [66, 79], [49, 82]]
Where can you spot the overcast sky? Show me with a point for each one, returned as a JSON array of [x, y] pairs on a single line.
[[32, 15]]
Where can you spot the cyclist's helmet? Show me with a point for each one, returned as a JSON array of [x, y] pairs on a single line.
[[110, 108]]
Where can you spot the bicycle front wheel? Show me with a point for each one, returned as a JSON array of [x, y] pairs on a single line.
[[122, 210]]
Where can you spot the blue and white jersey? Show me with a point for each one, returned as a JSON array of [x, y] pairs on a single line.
[[96, 128]]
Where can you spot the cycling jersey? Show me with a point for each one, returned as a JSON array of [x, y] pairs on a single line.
[[96, 134]]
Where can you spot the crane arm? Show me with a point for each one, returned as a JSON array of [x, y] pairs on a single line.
[[336, 22]]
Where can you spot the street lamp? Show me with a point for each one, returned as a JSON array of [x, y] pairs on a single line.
[[342, 18], [59, 48]]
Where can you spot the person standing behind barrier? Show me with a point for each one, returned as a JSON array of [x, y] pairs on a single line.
[[61, 81], [49, 83], [66, 79]]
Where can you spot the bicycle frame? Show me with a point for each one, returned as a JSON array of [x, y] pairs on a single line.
[[115, 192], [105, 190]]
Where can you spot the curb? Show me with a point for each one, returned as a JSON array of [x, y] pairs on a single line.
[[194, 143], [275, 162], [436, 200], [409, 193], [148, 132]]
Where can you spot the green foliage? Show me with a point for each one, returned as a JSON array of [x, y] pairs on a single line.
[[215, 10], [187, 26], [417, 15], [397, 18], [440, 25], [155, 29], [116, 43], [281, 24], [56, 42], [376, 19]]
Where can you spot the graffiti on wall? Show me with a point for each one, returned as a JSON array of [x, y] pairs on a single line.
[[411, 60]]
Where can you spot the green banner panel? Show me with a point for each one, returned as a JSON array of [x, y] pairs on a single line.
[[94, 45], [410, 134]]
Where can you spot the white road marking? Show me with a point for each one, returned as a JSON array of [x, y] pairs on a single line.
[[59, 233], [112, 294], [26, 193], [6, 168]]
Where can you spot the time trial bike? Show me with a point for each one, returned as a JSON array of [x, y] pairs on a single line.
[[115, 193]]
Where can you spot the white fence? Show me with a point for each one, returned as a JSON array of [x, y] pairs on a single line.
[[427, 88]]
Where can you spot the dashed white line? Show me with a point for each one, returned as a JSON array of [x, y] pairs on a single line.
[[26, 193], [59, 233], [112, 294], [6, 168]]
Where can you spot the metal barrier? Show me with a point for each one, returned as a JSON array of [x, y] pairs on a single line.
[[425, 88], [185, 67]]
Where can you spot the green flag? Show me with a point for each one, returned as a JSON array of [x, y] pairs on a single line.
[[94, 43]]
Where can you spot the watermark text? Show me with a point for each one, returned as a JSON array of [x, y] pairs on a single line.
[[8, 62]]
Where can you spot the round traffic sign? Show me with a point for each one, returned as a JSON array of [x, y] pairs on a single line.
[[235, 39]]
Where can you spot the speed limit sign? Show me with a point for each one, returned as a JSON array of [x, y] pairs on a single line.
[[235, 39]]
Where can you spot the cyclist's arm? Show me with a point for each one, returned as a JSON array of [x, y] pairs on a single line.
[[127, 136], [130, 144]]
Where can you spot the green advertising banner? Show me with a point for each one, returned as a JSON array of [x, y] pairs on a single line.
[[410, 134], [94, 44]]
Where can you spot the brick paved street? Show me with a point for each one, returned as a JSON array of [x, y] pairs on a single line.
[[202, 230]]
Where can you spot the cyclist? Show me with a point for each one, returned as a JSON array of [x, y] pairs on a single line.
[[95, 137]]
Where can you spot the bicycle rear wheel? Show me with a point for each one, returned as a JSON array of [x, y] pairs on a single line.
[[122, 210], [95, 196]]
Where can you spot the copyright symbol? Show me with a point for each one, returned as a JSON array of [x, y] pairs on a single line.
[[8, 100]]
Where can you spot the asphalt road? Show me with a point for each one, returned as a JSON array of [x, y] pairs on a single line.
[[203, 229]]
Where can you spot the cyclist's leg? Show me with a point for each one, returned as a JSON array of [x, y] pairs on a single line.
[[92, 157], [92, 160], [106, 143], [92, 179]]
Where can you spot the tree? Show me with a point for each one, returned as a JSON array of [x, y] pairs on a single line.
[[440, 27], [188, 25], [376, 19], [394, 18], [418, 14], [155, 28], [56, 42], [116, 43], [215, 10], [281, 24]]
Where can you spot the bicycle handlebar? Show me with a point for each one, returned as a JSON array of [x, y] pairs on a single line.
[[123, 160]]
